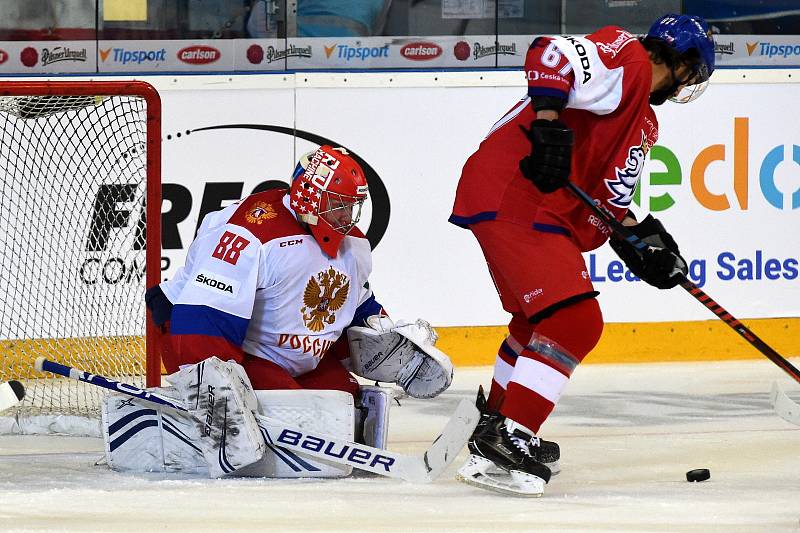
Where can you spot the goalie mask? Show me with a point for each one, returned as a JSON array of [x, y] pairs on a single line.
[[327, 193]]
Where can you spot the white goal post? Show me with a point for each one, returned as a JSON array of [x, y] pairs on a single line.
[[80, 209]]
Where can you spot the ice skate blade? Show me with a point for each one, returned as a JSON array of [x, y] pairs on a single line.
[[514, 483], [555, 468]]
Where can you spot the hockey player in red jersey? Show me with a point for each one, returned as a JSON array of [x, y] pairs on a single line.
[[587, 118]]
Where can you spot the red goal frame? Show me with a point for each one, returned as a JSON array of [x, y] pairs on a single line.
[[153, 209]]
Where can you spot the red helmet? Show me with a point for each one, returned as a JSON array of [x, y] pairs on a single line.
[[328, 190]]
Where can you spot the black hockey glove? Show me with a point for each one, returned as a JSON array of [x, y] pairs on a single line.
[[548, 166], [661, 265]]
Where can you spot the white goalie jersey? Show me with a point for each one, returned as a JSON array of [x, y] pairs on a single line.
[[256, 278]]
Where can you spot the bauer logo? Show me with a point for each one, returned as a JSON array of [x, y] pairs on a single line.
[[199, 54], [352, 454], [421, 51], [3, 56]]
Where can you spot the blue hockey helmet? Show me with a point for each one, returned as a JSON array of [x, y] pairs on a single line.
[[684, 33]]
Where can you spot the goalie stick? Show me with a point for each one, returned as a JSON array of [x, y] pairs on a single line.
[[416, 469], [783, 405], [624, 233], [11, 393]]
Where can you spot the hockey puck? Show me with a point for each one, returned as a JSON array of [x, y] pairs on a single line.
[[700, 474]]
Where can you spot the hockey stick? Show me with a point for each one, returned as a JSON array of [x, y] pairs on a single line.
[[416, 469], [11, 393], [624, 233]]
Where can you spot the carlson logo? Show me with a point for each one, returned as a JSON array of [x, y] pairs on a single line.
[[3, 56], [199, 54], [421, 51]]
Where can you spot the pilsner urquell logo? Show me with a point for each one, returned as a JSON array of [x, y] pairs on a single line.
[[62, 53]]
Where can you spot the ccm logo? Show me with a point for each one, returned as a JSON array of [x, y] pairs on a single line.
[[290, 242], [3, 56], [199, 54], [422, 51], [351, 454]]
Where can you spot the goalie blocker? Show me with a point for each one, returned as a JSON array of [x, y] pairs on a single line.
[[402, 353]]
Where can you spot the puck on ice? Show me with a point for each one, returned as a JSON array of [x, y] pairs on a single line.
[[700, 474]]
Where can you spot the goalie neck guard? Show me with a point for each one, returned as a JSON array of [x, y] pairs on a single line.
[[327, 193]]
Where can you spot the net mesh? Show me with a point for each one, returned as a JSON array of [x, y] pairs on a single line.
[[72, 245]]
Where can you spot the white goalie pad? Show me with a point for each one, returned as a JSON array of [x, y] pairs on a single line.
[[325, 411], [141, 436], [401, 353], [221, 401], [144, 437]]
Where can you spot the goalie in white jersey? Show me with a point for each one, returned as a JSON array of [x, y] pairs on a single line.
[[273, 281]]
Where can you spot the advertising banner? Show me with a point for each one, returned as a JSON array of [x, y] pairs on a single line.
[[167, 56], [48, 57], [268, 54], [758, 50], [724, 178]]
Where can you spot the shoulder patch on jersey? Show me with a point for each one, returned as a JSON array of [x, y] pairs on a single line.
[[265, 216], [613, 39]]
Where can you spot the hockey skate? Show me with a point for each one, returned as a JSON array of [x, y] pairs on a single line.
[[501, 461], [545, 451]]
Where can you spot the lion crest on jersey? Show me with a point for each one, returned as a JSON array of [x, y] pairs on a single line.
[[260, 212], [325, 293], [628, 176]]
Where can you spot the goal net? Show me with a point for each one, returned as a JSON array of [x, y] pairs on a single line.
[[80, 206]]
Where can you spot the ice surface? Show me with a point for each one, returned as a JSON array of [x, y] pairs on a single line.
[[628, 434]]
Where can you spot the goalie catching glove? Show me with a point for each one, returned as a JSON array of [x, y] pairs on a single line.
[[661, 264], [401, 353]]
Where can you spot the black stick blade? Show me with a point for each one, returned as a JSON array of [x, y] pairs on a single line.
[[18, 389]]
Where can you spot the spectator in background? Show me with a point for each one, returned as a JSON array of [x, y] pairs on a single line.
[[318, 18]]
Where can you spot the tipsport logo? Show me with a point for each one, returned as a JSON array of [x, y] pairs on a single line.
[[356, 53], [771, 50], [124, 56], [737, 156]]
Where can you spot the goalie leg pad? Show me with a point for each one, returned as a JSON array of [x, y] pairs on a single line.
[[141, 436], [375, 404], [324, 411], [220, 400]]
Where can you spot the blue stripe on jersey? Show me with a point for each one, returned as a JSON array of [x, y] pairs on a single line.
[[368, 308], [550, 228], [547, 91], [464, 222], [204, 320]]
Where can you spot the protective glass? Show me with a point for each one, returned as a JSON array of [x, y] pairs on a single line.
[[341, 212]]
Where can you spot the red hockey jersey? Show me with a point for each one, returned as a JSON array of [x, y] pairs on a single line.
[[606, 80]]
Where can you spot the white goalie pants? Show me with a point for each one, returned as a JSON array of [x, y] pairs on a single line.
[[142, 436]]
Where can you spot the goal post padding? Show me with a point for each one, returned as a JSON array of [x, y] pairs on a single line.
[[80, 209]]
